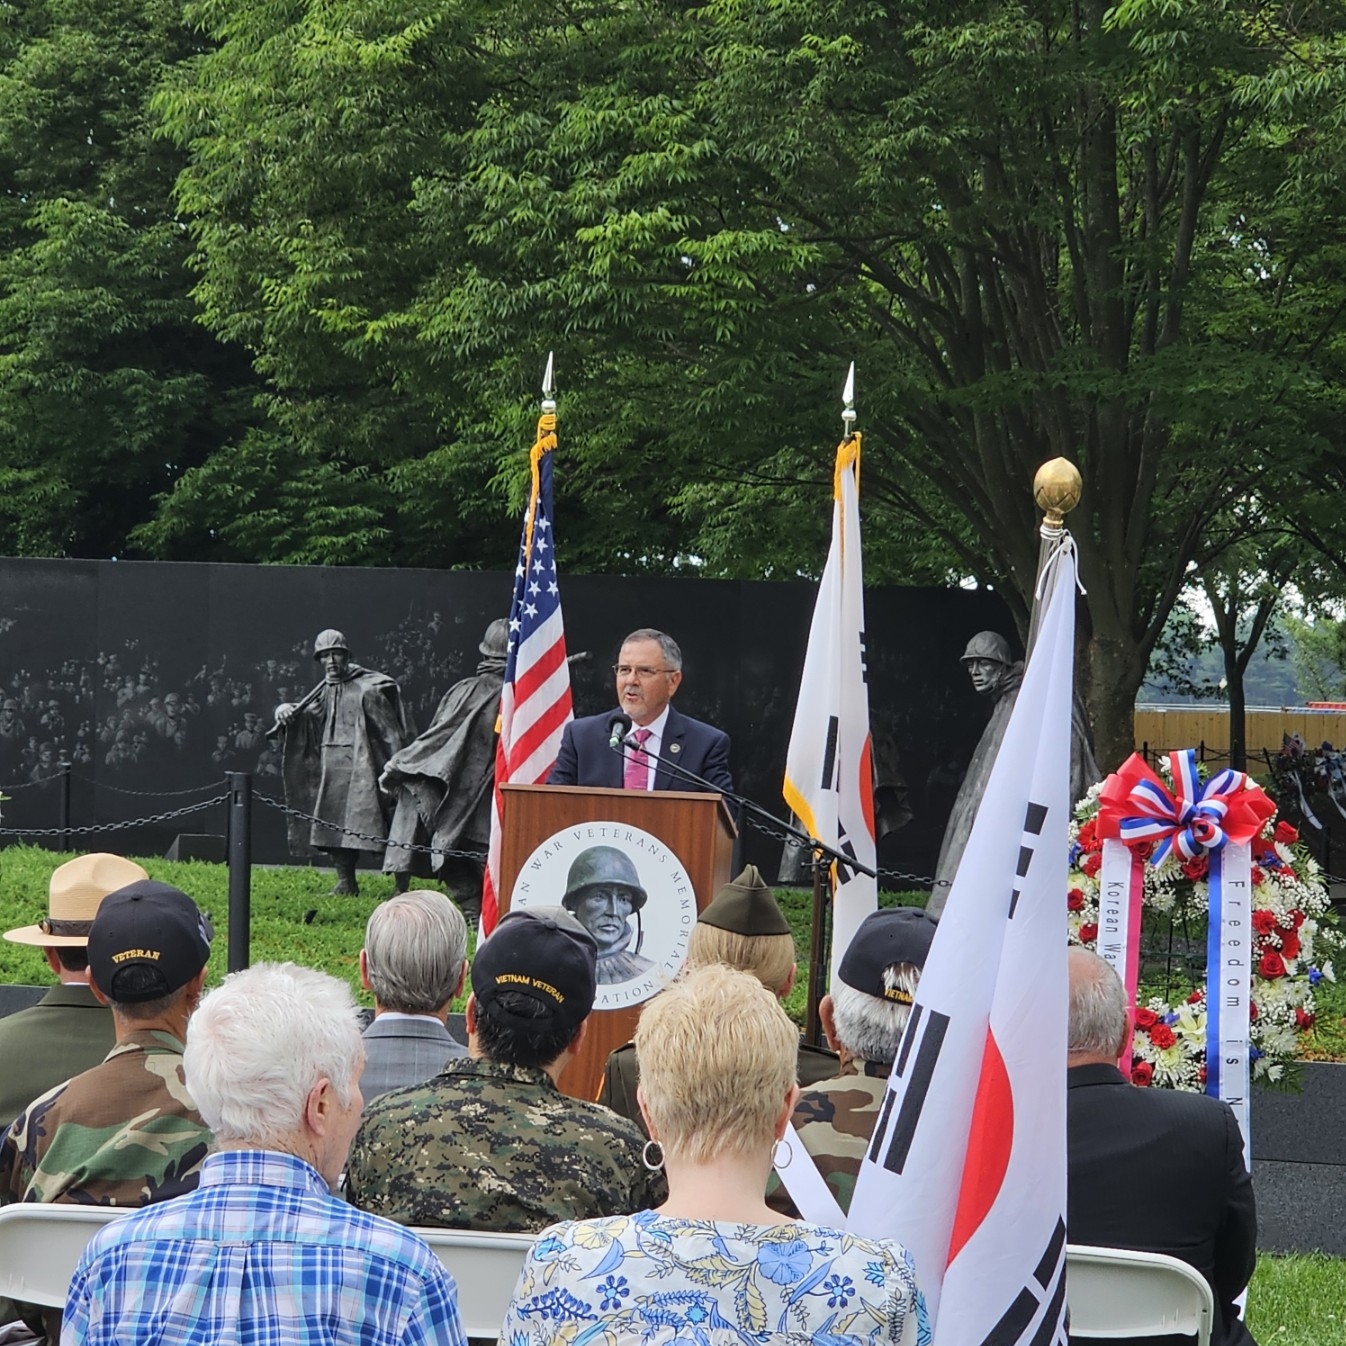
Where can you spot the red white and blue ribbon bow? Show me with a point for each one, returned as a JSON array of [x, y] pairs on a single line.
[[1194, 819]]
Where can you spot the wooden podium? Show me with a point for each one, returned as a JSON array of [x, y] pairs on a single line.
[[697, 828]]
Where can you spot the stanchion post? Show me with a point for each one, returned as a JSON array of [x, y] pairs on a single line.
[[65, 804], [240, 868]]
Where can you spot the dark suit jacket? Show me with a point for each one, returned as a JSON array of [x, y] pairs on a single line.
[[586, 759], [66, 1033], [403, 1052], [1162, 1171]]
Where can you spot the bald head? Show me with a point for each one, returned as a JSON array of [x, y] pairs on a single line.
[[1098, 1018]]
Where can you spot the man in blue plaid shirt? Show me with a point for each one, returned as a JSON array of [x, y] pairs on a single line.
[[262, 1251]]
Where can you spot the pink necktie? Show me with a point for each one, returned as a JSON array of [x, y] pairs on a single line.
[[638, 763]]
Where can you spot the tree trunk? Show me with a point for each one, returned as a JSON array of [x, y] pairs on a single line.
[[1115, 675]]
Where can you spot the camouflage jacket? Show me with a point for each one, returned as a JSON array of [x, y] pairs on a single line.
[[122, 1134], [489, 1146], [835, 1120]]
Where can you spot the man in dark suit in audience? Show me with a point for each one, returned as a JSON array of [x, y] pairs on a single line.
[[1157, 1170], [415, 962], [648, 671]]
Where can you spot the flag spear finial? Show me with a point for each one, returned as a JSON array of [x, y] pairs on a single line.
[[848, 402], [549, 386]]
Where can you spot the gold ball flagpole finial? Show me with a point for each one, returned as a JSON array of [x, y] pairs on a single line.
[[1056, 488]]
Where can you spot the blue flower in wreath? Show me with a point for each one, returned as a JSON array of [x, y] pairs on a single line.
[[1253, 1053], [874, 1273], [783, 1263], [613, 1291], [1315, 976], [840, 1290]]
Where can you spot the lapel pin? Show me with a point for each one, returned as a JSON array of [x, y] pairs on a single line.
[[675, 747]]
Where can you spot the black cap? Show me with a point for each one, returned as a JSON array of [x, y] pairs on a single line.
[[542, 952], [892, 935], [746, 906], [147, 925]]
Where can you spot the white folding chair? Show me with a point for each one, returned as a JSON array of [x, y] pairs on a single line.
[[1114, 1292], [39, 1246], [486, 1268]]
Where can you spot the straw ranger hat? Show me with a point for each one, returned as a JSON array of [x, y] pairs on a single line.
[[73, 895]]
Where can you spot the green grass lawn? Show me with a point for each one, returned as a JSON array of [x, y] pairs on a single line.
[[280, 899], [1294, 1301]]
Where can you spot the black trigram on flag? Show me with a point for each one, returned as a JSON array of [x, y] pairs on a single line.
[[1033, 820], [1038, 1315], [925, 1029]]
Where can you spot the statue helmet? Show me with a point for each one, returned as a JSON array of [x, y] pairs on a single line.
[[605, 865], [495, 643], [330, 639], [988, 645]]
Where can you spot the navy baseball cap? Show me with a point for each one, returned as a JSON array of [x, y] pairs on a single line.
[[147, 925]]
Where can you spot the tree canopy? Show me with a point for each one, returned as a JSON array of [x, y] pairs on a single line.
[[1039, 228]]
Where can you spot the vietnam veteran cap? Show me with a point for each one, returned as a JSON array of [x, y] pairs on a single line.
[[542, 952], [890, 935]]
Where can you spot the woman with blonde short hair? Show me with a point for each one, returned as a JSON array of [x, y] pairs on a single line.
[[717, 1090]]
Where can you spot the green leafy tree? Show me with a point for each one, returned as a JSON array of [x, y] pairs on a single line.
[[108, 387]]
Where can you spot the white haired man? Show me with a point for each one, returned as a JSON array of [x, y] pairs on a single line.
[[1158, 1170], [864, 1018], [262, 1250], [414, 962]]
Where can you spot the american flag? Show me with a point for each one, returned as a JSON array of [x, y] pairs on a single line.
[[535, 701]]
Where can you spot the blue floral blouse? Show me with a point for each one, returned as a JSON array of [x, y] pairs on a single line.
[[653, 1279]]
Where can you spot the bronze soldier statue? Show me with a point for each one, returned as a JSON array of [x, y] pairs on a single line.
[[442, 781], [338, 740]]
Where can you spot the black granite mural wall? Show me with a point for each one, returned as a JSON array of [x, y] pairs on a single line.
[[155, 679]]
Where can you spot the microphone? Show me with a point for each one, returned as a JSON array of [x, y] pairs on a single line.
[[619, 725]]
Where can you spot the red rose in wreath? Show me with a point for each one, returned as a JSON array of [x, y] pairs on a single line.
[[1195, 998], [1297, 918], [1075, 899], [1264, 921], [1089, 835], [1259, 876], [1146, 1019], [1252, 1011], [1303, 1019], [1272, 966], [1290, 945], [1091, 864], [1089, 933], [1196, 868], [1142, 1072], [1162, 1036], [1286, 834]]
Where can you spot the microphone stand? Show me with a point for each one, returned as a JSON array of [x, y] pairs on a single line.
[[820, 851]]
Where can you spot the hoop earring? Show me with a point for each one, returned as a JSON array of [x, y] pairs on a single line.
[[655, 1165], [789, 1154]]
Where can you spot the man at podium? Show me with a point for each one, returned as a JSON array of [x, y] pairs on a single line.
[[648, 671]]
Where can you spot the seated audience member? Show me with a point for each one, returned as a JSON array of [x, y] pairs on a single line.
[[491, 1142], [864, 1019], [414, 961], [67, 1031], [126, 1132], [262, 1251], [744, 928], [1158, 1170], [717, 1088]]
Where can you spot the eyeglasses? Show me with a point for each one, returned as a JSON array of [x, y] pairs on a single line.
[[640, 674]]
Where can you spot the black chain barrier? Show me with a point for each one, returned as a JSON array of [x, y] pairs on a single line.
[[900, 875], [379, 842], [29, 784], [141, 794], [93, 828]]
